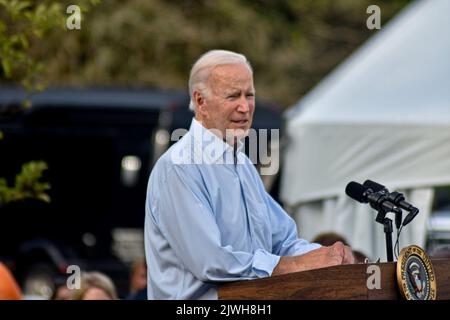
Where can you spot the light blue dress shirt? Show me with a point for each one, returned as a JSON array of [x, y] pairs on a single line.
[[209, 220]]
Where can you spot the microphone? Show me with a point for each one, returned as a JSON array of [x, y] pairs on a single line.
[[374, 186], [380, 188], [377, 200], [410, 216], [396, 198]]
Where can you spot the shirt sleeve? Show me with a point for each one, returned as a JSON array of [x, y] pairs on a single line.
[[285, 240], [186, 220]]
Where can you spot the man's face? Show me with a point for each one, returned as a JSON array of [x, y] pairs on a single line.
[[230, 102]]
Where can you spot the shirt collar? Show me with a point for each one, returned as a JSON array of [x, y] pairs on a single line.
[[209, 146]]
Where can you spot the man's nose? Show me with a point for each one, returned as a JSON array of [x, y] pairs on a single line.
[[243, 105]]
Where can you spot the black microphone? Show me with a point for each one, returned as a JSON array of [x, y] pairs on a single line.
[[377, 200], [410, 216], [396, 198], [380, 188], [374, 186]]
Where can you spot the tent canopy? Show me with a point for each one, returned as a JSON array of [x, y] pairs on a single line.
[[384, 114]]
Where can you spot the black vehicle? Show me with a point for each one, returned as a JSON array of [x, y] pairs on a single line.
[[100, 145]]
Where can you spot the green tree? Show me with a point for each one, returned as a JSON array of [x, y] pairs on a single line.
[[27, 184], [24, 27], [23, 24], [292, 44]]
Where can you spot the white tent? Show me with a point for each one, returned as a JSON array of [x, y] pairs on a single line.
[[384, 115]]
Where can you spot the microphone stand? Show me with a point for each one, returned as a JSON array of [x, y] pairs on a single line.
[[387, 223]]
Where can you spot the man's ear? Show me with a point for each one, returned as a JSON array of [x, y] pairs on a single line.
[[199, 100]]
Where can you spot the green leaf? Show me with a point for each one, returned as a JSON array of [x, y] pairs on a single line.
[[24, 41], [3, 27], [44, 197], [6, 65], [38, 33], [22, 5], [27, 184]]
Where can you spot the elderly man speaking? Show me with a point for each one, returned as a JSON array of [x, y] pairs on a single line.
[[208, 217]]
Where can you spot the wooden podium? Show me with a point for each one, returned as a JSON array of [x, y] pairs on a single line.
[[340, 282]]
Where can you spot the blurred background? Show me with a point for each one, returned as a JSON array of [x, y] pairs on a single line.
[[85, 113]]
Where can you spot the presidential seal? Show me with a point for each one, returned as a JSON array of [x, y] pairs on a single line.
[[415, 275]]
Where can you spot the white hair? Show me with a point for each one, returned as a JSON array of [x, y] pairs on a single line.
[[201, 69]]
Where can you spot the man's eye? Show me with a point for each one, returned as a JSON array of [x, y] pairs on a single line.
[[250, 95], [233, 96]]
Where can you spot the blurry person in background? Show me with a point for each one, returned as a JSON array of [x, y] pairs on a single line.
[[95, 286], [329, 238], [9, 289], [138, 280], [62, 292], [360, 257]]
